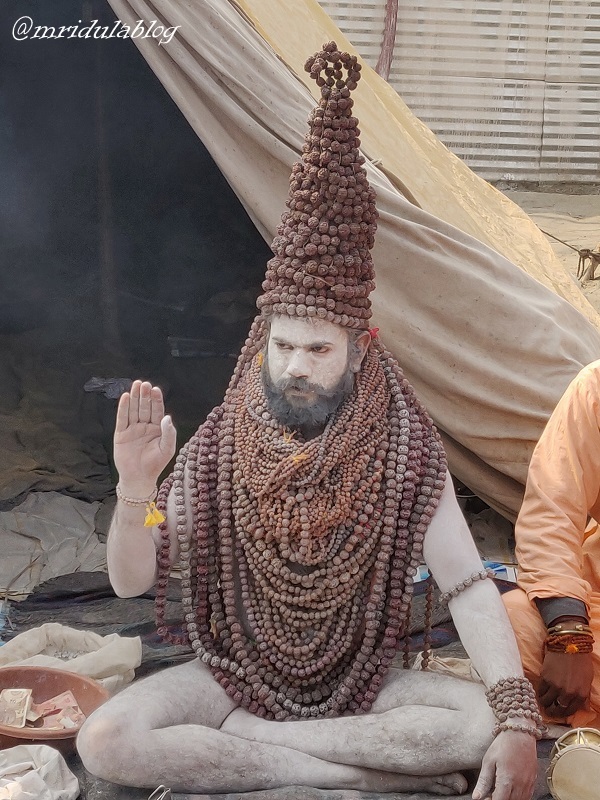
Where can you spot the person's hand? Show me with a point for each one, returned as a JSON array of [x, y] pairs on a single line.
[[565, 683], [145, 439], [509, 768]]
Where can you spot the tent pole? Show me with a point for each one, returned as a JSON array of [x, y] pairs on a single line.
[[384, 62]]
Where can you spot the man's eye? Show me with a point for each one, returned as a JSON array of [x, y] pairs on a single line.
[[319, 349], [282, 346]]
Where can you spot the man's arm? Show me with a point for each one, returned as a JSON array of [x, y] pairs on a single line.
[[478, 611], [144, 443], [509, 767], [563, 484]]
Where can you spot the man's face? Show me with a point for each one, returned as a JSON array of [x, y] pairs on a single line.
[[307, 373]]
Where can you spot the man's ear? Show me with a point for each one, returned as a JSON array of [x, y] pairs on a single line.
[[361, 343]]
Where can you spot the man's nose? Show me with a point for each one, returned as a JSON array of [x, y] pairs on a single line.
[[298, 365]]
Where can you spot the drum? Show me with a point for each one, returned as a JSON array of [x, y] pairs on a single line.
[[574, 771]]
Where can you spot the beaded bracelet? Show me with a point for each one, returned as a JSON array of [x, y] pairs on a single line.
[[153, 515], [135, 501], [460, 587], [515, 697], [568, 642], [523, 727]]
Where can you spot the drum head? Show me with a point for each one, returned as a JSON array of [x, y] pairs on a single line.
[[574, 772]]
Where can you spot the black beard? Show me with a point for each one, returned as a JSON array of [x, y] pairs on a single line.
[[314, 415]]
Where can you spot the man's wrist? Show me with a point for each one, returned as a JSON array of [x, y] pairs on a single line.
[[552, 609], [136, 493], [522, 722]]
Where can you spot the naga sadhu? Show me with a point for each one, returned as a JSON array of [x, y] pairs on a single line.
[[299, 513]]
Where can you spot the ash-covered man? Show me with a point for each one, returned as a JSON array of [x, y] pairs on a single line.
[[299, 513]]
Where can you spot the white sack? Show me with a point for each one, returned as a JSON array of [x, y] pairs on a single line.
[[36, 772], [111, 660]]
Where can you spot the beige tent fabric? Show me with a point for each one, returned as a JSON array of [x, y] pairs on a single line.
[[411, 155], [488, 348]]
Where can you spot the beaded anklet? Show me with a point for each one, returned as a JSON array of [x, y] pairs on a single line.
[[515, 697], [460, 587]]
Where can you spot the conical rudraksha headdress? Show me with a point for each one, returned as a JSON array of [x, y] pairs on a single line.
[[322, 266]]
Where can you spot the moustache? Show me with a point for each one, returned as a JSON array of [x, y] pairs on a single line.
[[303, 385]]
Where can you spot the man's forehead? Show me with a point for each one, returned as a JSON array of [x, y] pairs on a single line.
[[304, 331]]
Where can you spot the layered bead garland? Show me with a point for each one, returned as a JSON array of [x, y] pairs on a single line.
[[297, 576]]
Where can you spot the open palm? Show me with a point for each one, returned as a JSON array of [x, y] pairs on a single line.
[[145, 440]]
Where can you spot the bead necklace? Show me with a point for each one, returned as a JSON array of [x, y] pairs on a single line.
[[298, 558]]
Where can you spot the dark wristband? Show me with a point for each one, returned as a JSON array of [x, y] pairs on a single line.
[[551, 608]]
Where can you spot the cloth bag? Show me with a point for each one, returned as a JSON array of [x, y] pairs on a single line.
[[35, 772], [111, 660], [449, 665]]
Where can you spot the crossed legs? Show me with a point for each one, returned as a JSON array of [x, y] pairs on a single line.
[[179, 728]]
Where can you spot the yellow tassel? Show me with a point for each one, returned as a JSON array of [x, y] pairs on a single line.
[[259, 359], [153, 516], [571, 648]]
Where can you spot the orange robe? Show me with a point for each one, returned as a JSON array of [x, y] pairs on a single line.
[[557, 536]]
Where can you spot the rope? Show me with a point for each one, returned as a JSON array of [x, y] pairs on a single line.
[[560, 240]]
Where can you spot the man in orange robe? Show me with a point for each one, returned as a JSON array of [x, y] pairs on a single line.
[[558, 551]]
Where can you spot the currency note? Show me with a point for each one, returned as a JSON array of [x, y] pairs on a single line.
[[14, 705], [61, 712]]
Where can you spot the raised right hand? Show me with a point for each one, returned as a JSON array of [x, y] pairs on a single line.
[[145, 439]]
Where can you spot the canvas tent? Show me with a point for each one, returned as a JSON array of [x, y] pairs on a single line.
[[470, 299]]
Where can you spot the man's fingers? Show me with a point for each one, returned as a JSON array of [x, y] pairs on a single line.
[[157, 406], [525, 790], [565, 705], [575, 704], [145, 410], [502, 789], [122, 413], [168, 437], [134, 402], [485, 782], [520, 792], [549, 697]]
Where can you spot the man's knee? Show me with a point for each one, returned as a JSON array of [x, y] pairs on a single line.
[[518, 606], [102, 743], [524, 618], [530, 631]]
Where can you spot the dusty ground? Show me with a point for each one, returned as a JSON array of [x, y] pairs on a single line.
[[574, 218]]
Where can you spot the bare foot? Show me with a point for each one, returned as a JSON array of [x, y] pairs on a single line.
[[376, 781]]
